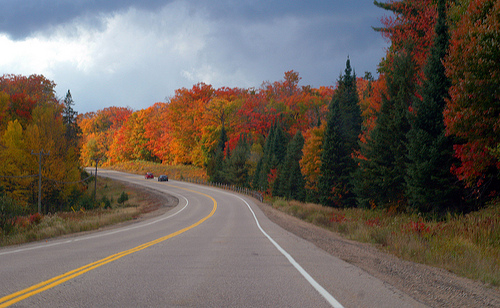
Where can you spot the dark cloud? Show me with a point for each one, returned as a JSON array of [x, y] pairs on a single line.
[[21, 18]]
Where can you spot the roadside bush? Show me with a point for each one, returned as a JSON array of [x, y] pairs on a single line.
[[123, 197], [8, 211]]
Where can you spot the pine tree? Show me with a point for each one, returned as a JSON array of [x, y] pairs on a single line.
[[430, 184], [340, 140], [216, 166], [69, 120], [237, 168], [335, 161], [380, 178], [291, 181], [347, 95]]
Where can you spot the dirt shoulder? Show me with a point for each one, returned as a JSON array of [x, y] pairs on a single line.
[[432, 286]]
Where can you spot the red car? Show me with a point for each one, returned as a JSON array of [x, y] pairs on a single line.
[[149, 175]]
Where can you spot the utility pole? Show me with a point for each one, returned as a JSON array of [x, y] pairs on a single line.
[[95, 179], [40, 154]]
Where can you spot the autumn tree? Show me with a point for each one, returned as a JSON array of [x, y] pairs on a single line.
[[473, 109], [311, 160]]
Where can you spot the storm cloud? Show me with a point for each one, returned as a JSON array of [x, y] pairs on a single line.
[[136, 53]]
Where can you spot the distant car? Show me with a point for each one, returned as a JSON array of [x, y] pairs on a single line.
[[149, 175], [163, 178]]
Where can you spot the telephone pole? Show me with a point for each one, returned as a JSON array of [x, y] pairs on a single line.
[[40, 154], [95, 182]]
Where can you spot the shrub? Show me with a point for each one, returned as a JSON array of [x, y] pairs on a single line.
[[123, 197], [8, 211]]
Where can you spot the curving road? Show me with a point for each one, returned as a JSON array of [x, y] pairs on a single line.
[[214, 249]]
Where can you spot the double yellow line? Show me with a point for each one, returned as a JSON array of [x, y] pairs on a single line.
[[48, 284]]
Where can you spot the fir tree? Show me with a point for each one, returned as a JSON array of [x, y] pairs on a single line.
[[340, 140], [380, 178], [291, 184], [216, 166], [430, 184], [335, 161], [69, 120], [237, 168], [347, 96]]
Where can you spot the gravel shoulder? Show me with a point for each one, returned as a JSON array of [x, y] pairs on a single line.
[[432, 286]]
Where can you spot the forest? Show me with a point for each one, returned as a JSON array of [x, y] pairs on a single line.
[[422, 137]]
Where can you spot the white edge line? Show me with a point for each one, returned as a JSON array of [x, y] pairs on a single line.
[[322, 291]]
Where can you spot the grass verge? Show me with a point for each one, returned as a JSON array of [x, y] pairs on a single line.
[[467, 245], [111, 208]]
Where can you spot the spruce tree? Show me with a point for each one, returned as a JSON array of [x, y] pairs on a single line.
[[291, 181], [347, 95], [380, 178], [72, 129], [216, 166], [430, 184], [336, 163], [340, 141], [236, 167]]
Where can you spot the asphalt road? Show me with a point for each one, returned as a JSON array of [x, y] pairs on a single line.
[[214, 249]]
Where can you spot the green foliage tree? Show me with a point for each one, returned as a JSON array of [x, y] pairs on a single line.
[[335, 161], [291, 183], [430, 184], [69, 120], [340, 140], [380, 178], [216, 166], [237, 166]]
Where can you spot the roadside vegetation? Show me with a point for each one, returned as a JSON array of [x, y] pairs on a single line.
[[465, 244], [115, 203]]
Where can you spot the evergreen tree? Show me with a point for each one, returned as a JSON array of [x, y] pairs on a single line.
[[69, 120], [347, 96], [273, 156], [291, 184], [216, 166], [335, 161], [430, 184], [237, 168], [340, 140], [380, 178]]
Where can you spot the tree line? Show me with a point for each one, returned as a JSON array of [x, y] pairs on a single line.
[[422, 136]]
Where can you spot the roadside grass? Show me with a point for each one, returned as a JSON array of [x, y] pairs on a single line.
[[179, 172], [467, 245], [107, 211]]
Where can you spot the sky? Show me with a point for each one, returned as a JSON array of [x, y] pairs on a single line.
[[133, 54]]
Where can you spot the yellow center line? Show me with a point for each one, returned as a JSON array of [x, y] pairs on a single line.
[[48, 284]]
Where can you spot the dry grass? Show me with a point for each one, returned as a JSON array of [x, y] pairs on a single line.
[[468, 245], [80, 220]]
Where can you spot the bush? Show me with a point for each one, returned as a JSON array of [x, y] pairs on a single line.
[[123, 197], [8, 211], [105, 202]]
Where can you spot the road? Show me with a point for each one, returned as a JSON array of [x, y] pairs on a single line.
[[214, 249]]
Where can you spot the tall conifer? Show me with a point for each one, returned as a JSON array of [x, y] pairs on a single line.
[[380, 178], [340, 140], [430, 184]]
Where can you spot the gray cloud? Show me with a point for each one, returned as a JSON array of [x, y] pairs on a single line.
[[130, 53]]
